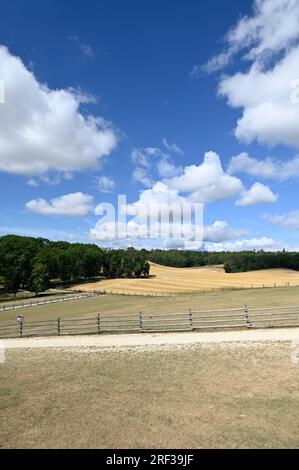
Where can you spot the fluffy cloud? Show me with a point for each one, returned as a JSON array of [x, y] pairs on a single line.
[[166, 169], [43, 129], [153, 199], [207, 181], [268, 168], [257, 194], [270, 115], [69, 205], [263, 243], [167, 199], [272, 28], [268, 92], [137, 233], [220, 231], [106, 184], [197, 184], [289, 220]]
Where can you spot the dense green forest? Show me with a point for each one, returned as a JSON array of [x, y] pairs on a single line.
[[186, 259], [34, 263]]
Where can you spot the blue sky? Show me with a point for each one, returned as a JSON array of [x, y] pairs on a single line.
[[112, 97]]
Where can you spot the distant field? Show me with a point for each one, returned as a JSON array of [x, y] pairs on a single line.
[[167, 280], [201, 397], [115, 304]]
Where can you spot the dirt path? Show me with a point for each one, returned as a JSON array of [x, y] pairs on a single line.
[[156, 340]]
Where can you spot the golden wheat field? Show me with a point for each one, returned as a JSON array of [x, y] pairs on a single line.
[[166, 280]]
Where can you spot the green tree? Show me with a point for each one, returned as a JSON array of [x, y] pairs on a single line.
[[39, 280]]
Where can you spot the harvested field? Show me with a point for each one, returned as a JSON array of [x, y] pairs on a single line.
[[167, 280]]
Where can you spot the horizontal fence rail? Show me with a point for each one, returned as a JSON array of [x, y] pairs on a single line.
[[202, 291], [6, 308], [192, 320]]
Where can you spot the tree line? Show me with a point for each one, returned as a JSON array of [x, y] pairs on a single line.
[[185, 258], [233, 261], [35, 264], [251, 261]]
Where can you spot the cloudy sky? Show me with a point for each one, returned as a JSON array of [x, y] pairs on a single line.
[[167, 101]]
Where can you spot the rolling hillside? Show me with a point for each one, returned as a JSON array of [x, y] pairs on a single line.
[[166, 280]]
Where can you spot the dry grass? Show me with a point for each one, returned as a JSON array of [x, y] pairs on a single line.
[[191, 280], [178, 398], [115, 304]]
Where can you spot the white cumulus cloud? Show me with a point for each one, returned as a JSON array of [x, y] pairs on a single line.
[[263, 243], [267, 168], [270, 115], [267, 93], [42, 129], [206, 181], [166, 169], [154, 199], [220, 231], [257, 194], [69, 205], [272, 28]]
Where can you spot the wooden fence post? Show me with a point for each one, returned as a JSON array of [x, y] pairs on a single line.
[[58, 327], [99, 323], [21, 329], [190, 319], [140, 321], [247, 319]]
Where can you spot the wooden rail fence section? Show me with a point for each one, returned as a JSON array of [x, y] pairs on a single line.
[[201, 291], [6, 308], [192, 320]]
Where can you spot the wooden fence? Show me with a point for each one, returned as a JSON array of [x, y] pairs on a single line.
[[192, 320], [6, 308], [201, 291]]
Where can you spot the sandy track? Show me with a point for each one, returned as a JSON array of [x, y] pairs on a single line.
[[159, 340]]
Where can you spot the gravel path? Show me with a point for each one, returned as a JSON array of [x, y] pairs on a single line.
[[155, 339]]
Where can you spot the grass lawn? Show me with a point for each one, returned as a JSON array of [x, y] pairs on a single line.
[[199, 397], [114, 304]]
